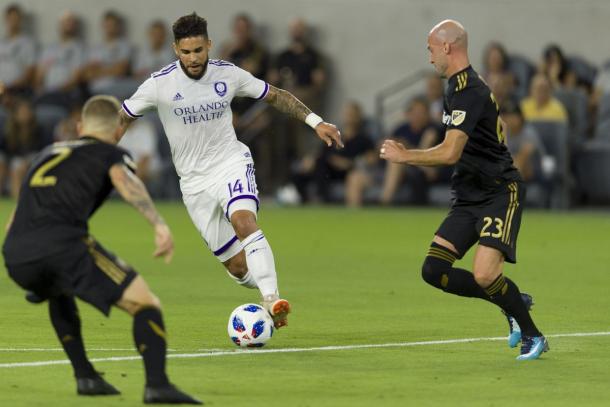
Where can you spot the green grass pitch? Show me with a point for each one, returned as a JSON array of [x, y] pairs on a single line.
[[353, 278]]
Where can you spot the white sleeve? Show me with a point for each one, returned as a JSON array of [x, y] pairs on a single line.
[[144, 99], [250, 86]]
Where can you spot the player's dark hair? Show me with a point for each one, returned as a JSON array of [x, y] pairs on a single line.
[[190, 26]]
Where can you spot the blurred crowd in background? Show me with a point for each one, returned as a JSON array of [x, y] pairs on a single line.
[[556, 110]]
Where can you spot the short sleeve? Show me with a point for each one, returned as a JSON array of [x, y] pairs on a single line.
[[465, 110], [144, 99], [118, 155], [250, 86]]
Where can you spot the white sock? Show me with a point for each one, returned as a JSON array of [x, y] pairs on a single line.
[[247, 280], [261, 264]]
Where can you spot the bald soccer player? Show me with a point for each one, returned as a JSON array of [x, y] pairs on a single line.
[[488, 192]]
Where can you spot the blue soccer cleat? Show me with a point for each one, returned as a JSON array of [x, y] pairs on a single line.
[[532, 347], [514, 335]]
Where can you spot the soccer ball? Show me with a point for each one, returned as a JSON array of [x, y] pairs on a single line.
[[250, 325]]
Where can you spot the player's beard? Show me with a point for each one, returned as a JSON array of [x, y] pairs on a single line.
[[195, 77]]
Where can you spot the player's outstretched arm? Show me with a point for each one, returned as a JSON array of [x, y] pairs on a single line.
[[133, 191], [446, 153], [286, 102]]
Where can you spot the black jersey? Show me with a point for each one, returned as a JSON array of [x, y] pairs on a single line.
[[485, 165], [64, 186]]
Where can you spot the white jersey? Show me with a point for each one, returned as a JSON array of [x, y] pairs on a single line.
[[197, 118]]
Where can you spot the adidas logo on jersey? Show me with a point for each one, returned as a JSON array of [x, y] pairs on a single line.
[[177, 97]]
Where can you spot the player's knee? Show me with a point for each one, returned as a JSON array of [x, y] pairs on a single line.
[[432, 271], [237, 265], [483, 277], [244, 224]]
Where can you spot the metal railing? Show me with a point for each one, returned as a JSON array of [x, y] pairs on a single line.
[[392, 98]]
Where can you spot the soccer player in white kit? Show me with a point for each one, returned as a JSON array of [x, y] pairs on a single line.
[[193, 99]]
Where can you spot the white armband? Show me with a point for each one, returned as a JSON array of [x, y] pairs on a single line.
[[312, 120]]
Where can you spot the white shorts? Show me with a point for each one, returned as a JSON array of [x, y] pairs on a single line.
[[211, 209]]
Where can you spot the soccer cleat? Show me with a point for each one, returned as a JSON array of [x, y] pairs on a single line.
[[278, 309], [94, 386], [514, 335], [167, 395], [532, 347]]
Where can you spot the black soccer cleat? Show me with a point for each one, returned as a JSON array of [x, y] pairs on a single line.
[[167, 395], [95, 386]]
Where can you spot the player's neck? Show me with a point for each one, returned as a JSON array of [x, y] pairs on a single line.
[[457, 66]]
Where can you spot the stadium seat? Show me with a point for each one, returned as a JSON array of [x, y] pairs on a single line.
[[592, 169], [48, 116], [554, 136], [523, 70], [602, 130], [584, 70], [575, 101]]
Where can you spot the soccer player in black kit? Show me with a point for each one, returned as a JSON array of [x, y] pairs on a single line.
[[49, 252], [488, 192]]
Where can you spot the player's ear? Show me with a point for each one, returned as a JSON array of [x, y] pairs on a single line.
[[175, 47]]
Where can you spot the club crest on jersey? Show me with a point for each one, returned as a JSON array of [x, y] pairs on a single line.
[[220, 88], [457, 117]]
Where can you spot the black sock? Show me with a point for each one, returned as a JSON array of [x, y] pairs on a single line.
[[438, 272], [505, 293], [65, 320], [150, 338]]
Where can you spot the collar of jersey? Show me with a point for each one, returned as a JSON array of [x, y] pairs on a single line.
[[453, 77]]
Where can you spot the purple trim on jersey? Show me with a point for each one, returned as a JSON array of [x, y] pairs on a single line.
[[254, 198], [225, 247], [220, 62], [126, 109], [166, 67], [164, 72], [265, 91]]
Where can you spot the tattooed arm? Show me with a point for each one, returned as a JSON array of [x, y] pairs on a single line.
[[133, 191], [286, 102]]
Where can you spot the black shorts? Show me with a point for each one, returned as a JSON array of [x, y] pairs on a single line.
[[493, 223], [85, 270]]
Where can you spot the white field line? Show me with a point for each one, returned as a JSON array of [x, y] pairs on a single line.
[[252, 352]]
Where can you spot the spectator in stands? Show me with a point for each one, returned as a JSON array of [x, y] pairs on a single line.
[[435, 89], [418, 131], [66, 129], [503, 88], [300, 70], [523, 142], [109, 62], [59, 69], [332, 166], [244, 49], [141, 141], [555, 66], [541, 105], [157, 54], [22, 140], [17, 54]]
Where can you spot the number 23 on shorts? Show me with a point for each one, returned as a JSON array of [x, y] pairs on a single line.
[[498, 226]]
